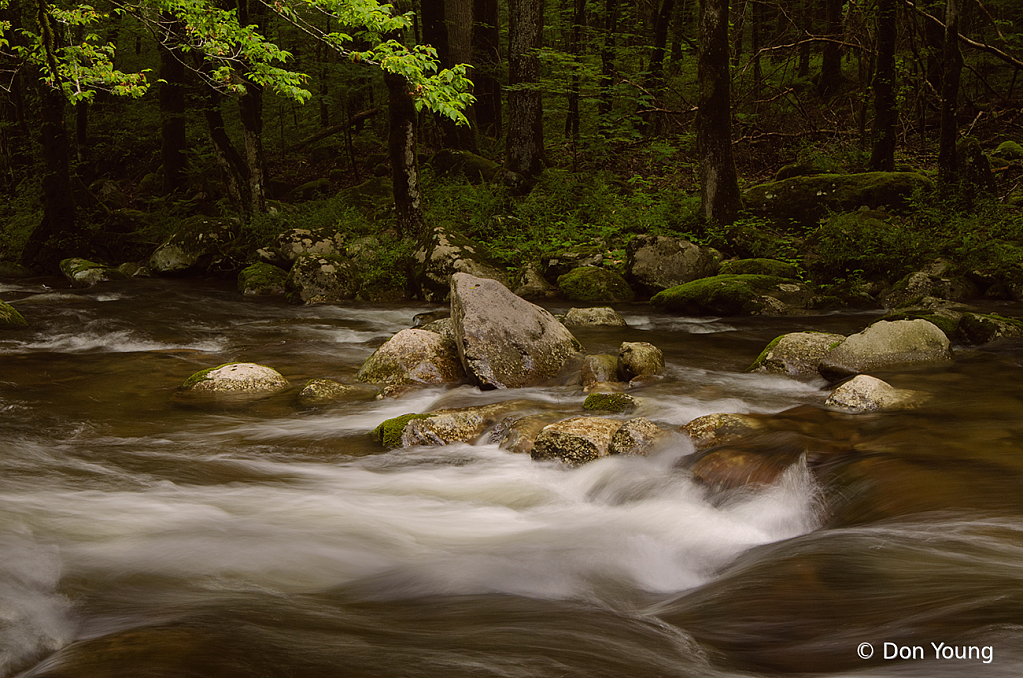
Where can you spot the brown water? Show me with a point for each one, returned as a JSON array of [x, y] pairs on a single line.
[[142, 538]]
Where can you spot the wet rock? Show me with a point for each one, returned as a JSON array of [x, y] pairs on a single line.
[[638, 359], [805, 199], [922, 284], [731, 295], [10, 318], [602, 316], [197, 245], [532, 284], [322, 392], [236, 378], [589, 283], [636, 437], [885, 344], [321, 279], [656, 262], [600, 368], [85, 273], [444, 253], [413, 357], [729, 468], [561, 262], [936, 311], [610, 402], [712, 430], [575, 441], [505, 341], [130, 269], [261, 279], [293, 243], [796, 354], [444, 327], [978, 328], [773, 267], [518, 435], [461, 425], [864, 393]]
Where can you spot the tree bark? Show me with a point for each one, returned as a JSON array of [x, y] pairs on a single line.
[[402, 141], [525, 152], [886, 114], [232, 167], [607, 57], [486, 59], [831, 58], [574, 44], [952, 66], [172, 109], [250, 107], [719, 183]]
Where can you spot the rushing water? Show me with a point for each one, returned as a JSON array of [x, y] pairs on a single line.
[[139, 537]]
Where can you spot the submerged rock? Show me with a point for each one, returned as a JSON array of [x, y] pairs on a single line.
[[505, 341], [885, 344], [657, 262], [10, 318], [796, 354], [413, 357], [598, 369], [443, 427], [236, 378], [712, 430], [322, 392], [575, 441], [610, 402]]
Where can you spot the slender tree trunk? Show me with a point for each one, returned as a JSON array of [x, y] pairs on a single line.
[[831, 57], [886, 115], [805, 25], [739, 12], [756, 32], [250, 107], [459, 15], [435, 34], [525, 152], [719, 183], [952, 70], [172, 108], [486, 53], [575, 39], [607, 57], [232, 166], [402, 141]]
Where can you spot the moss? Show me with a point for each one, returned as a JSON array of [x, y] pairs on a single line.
[[202, 375], [763, 354], [389, 432], [719, 294], [610, 402], [261, 278], [1009, 150], [977, 328], [760, 266], [588, 283], [948, 325], [10, 318]]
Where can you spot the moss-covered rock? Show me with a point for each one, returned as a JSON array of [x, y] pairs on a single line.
[[441, 254], [291, 244], [978, 328], [85, 273], [657, 262], [639, 359], [947, 320], [712, 430], [797, 169], [199, 244], [262, 280], [589, 283], [322, 392], [10, 318], [1009, 150], [389, 432], [796, 354], [317, 188], [474, 168], [610, 402], [805, 199], [575, 441], [760, 266], [722, 295], [321, 279], [558, 263], [236, 378], [636, 437], [923, 284], [374, 197], [602, 316]]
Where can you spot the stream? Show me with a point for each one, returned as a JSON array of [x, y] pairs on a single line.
[[142, 537]]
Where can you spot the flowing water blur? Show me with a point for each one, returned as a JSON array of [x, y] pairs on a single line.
[[140, 537]]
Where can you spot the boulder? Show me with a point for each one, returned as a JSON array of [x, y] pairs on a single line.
[[444, 327], [636, 437], [462, 425], [322, 392], [946, 315], [922, 284], [473, 168], [805, 199], [575, 441], [561, 262], [198, 244], [864, 393], [978, 328], [731, 295], [413, 357], [637, 359], [657, 262], [504, 341], [10, 318], [729, 468], [1009, 151], [517, 435], [532, 284], [236, 378], [796, 354], [779, 269], [316, 188], [293, 243], [444, 253], [603, 316], [885, 344], [261, 279], [321, 279], [589, 283], [598, 369], [85, 273], [610, 402], [712, 430]]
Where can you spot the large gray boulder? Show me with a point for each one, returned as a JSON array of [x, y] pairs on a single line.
[[236, 378], [413, 357], [796, 354], [197, 244], [321, 279], [657, 262], [10, 318], [444, 253], [505, 341], [575, 441], [886, 344]]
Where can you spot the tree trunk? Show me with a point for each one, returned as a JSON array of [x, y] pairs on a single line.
[[459, 17], [232, 167], [886, 114], [831, 58], [756, 33], [250, 107], [719, 184], [486, 54], [525, 153], [662, 21], [952, 63], [402, 141], [172, 109], [575, 38], [607, 57]]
